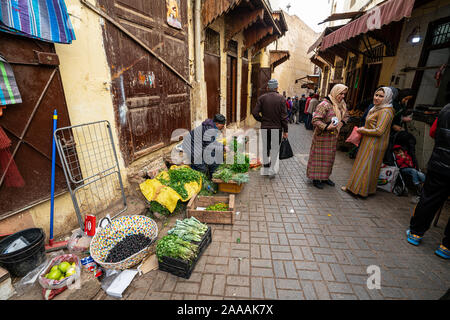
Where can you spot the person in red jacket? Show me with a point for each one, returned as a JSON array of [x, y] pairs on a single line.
[[407, 167]]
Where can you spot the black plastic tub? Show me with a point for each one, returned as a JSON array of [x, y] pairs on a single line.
[[19, 263]]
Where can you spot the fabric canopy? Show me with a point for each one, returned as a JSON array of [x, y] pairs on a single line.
[[390, 11], [47, 20], [9, 92]]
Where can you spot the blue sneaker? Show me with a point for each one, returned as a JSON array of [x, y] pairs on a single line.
[[412, 238], [443, 252]]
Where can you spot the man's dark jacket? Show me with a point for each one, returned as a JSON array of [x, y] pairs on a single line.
[[440, 158], [302, 103], [271, 111]]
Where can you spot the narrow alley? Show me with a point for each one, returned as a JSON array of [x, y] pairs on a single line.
[[320, 250]]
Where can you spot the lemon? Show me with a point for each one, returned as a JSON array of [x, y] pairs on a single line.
[[64, 266], [55, 274], [71, 271]]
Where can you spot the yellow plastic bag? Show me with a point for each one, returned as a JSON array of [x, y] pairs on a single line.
[[154, 190]]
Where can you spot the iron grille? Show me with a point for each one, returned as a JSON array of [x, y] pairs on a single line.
[[441, 34], [212, 41]]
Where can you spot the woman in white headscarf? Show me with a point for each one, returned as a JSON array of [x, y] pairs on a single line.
[[326, 132], [375, 140]]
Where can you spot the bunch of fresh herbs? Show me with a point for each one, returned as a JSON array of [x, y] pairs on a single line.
[[177, 248], [218, 207], [179, 177], [189, 229]]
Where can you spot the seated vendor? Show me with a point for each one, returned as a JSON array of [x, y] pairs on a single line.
[[207, 152]]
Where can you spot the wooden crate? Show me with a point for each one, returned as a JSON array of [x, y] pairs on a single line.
[[229, 187], [213, 217]]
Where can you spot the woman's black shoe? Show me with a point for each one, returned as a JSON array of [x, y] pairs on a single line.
[[329, 182], [318, 184]]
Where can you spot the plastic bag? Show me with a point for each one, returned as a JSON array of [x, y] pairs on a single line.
[[68, 281], [110, 276], [79, 242], [285, 150], [30, 279], [121, 283], [355, 137], [387, 178]]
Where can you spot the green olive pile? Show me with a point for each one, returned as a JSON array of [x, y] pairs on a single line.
[[127, 247]]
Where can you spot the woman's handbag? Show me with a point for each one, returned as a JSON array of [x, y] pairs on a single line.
[[355, 137], [285, 150]]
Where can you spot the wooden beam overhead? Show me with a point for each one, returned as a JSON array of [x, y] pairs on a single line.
[[255, 34], [240, 20], [264, 42]]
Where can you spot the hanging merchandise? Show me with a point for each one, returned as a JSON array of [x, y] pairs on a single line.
[[46, 20], [9, 91]]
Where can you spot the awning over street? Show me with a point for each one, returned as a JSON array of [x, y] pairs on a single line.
[[254, 18], [325, 32], [310, 86], [343, 16], [277, 57], [39, 19], [390, 11]]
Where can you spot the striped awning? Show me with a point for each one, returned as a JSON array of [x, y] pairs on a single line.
[[9, 92], [375, 18], [47, 20]]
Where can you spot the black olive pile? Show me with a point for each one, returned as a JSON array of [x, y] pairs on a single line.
[[127, 247]]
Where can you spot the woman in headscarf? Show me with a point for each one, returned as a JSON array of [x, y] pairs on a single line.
[[326, 132], [375, 140]]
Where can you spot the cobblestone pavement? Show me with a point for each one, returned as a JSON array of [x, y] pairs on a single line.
[[320, 250]]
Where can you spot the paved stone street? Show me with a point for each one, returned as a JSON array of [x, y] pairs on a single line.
[[321, 250]]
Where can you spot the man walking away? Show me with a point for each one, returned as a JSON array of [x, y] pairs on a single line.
[[271, 111], [301, 111], [296, 108], [436, 189]]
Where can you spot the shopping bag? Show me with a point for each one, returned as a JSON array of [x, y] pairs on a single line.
[[355, 137], [387, 178], [285, 150]]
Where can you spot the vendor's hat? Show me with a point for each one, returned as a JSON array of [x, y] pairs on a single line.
[[219, 118], [397, 146], [272, 84]]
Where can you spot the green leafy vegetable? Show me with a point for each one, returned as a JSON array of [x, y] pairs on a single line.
[[218, 207], [189, 229], [179, 177], [159, 208], [175, 247]]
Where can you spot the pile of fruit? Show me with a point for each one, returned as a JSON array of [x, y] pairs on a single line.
[[127, 247], [61, 271]]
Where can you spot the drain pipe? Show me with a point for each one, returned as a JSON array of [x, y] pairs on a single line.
[[197, 39]]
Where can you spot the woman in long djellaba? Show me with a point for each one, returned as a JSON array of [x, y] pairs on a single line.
[[326, 132], [375, 140]]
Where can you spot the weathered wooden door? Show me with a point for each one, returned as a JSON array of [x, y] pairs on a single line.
[[231, 89], [244, 89], [260, 78], [212, 78], [150, 101], [29, 125]]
